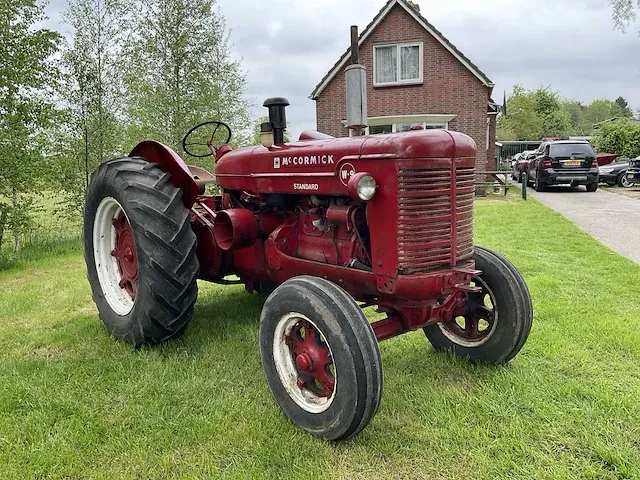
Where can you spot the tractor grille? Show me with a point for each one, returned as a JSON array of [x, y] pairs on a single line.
[[426, 231]]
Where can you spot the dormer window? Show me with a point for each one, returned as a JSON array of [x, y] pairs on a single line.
[[397, 64]]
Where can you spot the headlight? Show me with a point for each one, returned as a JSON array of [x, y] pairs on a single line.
[[606, 170], [362, 186]]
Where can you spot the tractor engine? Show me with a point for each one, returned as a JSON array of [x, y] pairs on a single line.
[[388, 218]]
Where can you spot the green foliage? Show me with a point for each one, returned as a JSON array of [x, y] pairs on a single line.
[[600, 111], [28, 75], [624, 107], [180, 72], [621, 137], [533, 114], [92, 92], [624, 12]]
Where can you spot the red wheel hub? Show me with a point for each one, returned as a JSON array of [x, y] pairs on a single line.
[[478, 318], [125, 254], [312, 359]]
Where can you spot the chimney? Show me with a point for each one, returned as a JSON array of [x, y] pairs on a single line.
[[415, 6]]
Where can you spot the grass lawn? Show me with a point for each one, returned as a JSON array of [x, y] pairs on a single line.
[[76, 404]]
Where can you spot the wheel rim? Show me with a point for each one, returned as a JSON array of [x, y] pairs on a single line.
[[115, 256], [625, 181], [304, 362], [478, 324]]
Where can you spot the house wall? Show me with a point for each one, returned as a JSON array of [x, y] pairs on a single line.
[[448, 87]]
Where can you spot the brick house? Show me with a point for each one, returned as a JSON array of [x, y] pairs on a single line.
[[418, 78]]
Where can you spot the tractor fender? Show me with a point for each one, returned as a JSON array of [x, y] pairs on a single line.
[[169, 161]]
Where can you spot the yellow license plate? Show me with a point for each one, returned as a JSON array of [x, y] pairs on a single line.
[[573, 163]]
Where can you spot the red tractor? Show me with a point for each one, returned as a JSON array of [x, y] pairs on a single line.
[[325, 227]]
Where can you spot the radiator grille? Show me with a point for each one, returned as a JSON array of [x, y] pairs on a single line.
[[426, 234]]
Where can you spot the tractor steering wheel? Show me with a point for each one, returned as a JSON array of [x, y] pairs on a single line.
[[205, 144]]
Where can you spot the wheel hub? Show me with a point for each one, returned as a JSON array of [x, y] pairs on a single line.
[[304, 363], [476, 322], [125, 255], [312, 358]]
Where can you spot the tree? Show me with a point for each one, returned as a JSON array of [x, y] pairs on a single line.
[[93, 91], [522, 122], [624, 107], [575, 110], [28, 74], [599, 111], [621, 137], [532, 115], [624, 12], [180, 72]]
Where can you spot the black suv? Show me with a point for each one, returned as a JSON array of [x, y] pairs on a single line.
[[564, 162], [633, 174]]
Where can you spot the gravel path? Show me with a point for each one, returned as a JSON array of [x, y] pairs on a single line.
[[613, 219]]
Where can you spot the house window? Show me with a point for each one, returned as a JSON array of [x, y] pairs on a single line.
[[402, 127], [378, 129], [397, 64]]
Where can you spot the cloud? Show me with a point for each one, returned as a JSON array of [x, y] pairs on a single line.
[[287, 46]]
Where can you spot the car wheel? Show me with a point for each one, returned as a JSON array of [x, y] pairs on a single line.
[[623, 180], [539, 185], [592, 187]]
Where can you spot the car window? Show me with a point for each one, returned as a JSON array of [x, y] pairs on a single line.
[[569, 149]]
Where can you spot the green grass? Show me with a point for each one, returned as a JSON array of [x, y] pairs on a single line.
[[50, 232], [75, 404]]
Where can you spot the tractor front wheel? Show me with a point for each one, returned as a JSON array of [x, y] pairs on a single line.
[[320, 357], [498, 318], [140, 251]]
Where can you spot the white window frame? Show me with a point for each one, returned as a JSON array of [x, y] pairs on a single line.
[[394, 126], [412, 81], [435, 120]]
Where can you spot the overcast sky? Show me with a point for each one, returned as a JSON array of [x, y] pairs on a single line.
[[287, 46]]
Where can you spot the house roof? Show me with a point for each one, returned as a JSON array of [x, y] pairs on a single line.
[[424, 23]]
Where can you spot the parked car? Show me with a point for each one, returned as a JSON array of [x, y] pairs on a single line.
[[615, 173], [564, 162], [633, 174], [519, 164]]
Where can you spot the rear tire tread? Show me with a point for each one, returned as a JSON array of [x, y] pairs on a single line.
[[166, 247]]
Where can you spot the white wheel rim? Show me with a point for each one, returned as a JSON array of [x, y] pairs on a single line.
[[104, 242], [625, 181], [287, 370], [465, 342]]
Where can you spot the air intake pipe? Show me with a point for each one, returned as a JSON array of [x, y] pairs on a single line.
[[235, 228], [277, 117]]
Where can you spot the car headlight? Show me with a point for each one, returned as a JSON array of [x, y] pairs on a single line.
[[362, 186], [606, 170]]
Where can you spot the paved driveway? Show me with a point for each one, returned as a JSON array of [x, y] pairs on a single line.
[[611, 218]]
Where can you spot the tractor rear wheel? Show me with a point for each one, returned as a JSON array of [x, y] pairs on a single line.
[[498, 319], [140, 251], [320, 357]]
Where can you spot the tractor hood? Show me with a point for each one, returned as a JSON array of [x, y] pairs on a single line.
[[324, 166]]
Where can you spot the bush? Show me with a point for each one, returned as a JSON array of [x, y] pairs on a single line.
[[621, 137]]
